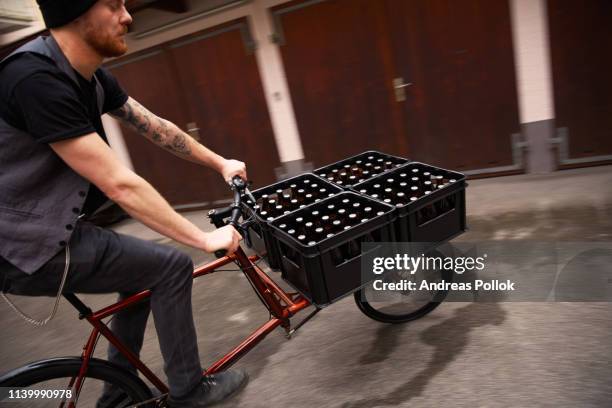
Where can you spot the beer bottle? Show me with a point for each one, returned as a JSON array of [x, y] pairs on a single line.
[[336, 225], [336, 255], [323, 221], [354, 249], [400, 199], [437, 181]]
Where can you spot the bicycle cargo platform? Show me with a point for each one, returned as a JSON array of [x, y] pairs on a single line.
[[319, 246]]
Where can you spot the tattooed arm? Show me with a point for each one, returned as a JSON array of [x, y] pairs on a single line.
[[170, 137]]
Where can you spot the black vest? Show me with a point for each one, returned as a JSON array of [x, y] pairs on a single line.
[[40, 196]]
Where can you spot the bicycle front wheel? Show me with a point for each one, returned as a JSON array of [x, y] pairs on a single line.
[[405, 305], [46, 384]]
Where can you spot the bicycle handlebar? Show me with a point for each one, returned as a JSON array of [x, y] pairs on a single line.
[[238, 186]]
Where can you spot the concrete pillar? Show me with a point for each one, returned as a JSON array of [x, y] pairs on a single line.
[[276, 90], [534, 81]]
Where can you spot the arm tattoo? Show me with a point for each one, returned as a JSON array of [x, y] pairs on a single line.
[[158, 130], [135, 115]]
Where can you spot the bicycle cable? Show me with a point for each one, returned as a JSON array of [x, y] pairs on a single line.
[[41, 323]]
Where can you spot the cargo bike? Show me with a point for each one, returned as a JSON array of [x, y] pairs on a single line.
[[314, 228]]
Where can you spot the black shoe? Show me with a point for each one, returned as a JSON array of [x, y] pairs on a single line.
[[212, 389], [115, 398]]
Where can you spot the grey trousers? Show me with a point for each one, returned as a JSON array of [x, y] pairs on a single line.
[[103, 261]]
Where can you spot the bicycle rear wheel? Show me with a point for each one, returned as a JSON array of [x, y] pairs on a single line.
[[403, 306], [56, 374]]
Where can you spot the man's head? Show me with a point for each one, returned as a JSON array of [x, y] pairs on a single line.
[[102, 24]]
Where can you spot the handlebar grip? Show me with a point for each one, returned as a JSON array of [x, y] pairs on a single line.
[[220, 253]]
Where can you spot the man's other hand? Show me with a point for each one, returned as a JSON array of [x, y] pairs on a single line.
[[223, 238], [231, 168]]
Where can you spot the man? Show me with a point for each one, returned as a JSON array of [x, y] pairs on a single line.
[[56, 165]]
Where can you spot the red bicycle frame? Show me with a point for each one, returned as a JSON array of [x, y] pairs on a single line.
[[281, 305]]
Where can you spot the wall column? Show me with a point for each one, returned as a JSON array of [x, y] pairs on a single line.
[[534, 81]]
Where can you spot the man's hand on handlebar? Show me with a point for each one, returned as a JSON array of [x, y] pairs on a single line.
[[233, 168], [223, 238]]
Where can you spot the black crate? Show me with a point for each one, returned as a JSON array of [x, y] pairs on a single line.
[[259, 231], [429, 217], [358, 168], [327, 268]]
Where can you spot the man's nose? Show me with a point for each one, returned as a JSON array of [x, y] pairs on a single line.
[[126, 18]]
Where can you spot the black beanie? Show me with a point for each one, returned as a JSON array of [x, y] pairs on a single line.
[[61, 12]]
